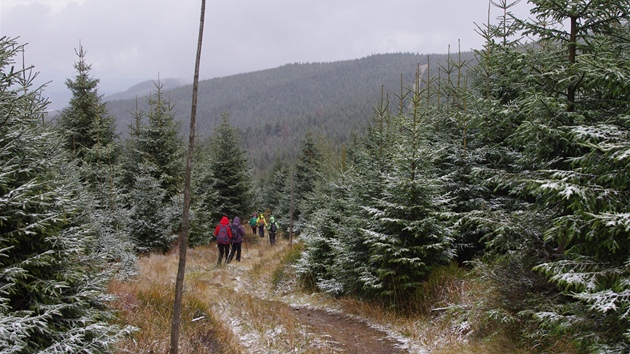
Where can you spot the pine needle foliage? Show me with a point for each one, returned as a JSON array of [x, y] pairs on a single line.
[[556, 114], [306, 174], [407, 234], [150, 219], [377, 228], [52, 287], [89, 135], [152, 176], [85, 123], [224, 186], [160, 144]]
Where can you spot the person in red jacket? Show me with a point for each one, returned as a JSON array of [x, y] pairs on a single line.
[[223, 235]]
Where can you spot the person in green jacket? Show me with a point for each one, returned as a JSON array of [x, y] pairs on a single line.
[[253, 222]]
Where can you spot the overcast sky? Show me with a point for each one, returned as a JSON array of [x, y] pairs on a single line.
[[130, 41]]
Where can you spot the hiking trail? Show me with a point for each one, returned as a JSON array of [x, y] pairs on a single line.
[[325, 330]]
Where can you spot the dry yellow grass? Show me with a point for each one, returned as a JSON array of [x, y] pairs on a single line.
[[246, 307], [226, 308], [147, 303]]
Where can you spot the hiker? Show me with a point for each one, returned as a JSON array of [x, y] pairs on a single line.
[[261, 225], [223, 234], [253, 222], [272, 228], [237, 238]]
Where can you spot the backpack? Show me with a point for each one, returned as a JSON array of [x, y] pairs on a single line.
[[233, 229], [236, 233], [273, 228], [222, 235]]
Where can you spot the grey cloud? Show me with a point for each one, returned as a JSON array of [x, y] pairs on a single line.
[[128, 41]]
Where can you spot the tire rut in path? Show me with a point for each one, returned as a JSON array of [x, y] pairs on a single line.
[[337, 332], [346, 334]]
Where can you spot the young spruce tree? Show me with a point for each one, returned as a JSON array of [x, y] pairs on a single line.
[[305, 176], [579, 118], [225, 186], [89, 135], [155, 159], [85, 123], [560, 107], [52, 287]]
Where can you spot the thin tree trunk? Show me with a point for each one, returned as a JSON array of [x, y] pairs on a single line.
[[572, 53], [183, 242], [291, 211]]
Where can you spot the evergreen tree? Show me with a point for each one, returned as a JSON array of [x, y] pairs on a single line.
[[201, 225], [88, 132], [370, 159], [151, 223], [152, 172], [500, 214], [306, 174], [277, 192], [336, 257], [579, 113], [52, 287], [225, 183], [353, 193], [557, 118], [497, 213], [85, 123], [331, 262], [406, 235], [131, 157], [374, 229], [450, 117], [160, 145]]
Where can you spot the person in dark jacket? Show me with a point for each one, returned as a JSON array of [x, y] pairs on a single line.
[[238, 231], [224, 235], [272, 227], [262, 223]]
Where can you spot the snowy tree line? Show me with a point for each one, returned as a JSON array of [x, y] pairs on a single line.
[[79, 206], [518, 169], [55, 245]]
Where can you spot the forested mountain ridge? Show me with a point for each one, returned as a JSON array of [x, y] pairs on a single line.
[[274, 108], [144, 89]]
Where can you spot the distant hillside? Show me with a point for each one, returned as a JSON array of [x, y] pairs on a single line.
[[275, 107], [144, 88]]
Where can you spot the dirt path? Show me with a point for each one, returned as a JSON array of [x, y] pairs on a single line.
[[331, 332]]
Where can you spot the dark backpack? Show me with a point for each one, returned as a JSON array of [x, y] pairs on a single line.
[[236, 232], [222, 235], [273, 228]]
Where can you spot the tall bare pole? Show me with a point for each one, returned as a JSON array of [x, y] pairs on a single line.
[[183, 242]]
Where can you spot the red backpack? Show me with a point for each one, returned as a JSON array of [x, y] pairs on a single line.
[[222, 236]]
